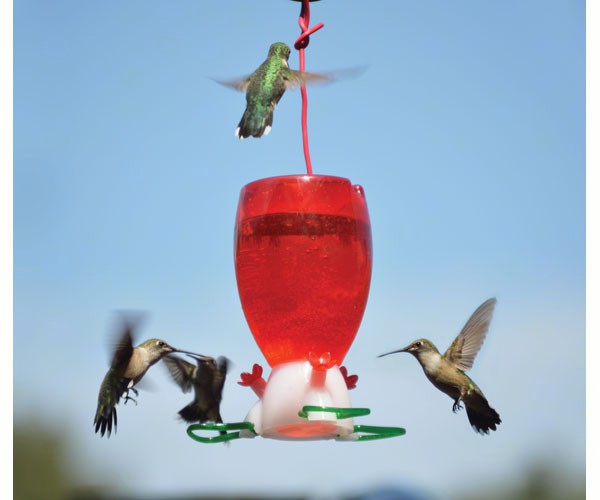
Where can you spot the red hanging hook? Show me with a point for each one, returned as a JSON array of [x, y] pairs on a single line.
[[300, 45]]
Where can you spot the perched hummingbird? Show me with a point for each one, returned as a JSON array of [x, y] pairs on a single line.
[[207, 378], [129, 364], [265, 87], [447, 371]]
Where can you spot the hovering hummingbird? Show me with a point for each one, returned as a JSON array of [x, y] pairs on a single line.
[[129, 364], [207, 378], [447, 371], [265, 87]]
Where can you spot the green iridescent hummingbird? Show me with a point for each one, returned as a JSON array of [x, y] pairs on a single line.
[[265, 87], [447, 371], [129, 364], [207, 378]]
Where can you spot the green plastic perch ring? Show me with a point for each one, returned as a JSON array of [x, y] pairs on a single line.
[[373, 432], [363, 432], [221, 438], [340, 413]]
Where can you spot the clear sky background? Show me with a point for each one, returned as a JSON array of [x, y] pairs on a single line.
[[467, 132]]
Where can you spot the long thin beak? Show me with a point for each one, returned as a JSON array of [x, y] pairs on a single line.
[[194, 355], [393, 352]]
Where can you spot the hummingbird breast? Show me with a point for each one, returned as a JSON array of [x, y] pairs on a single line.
[[138, 365], [441, 374]]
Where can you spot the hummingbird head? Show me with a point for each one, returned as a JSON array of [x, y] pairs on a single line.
[[156, 348], [279, 49], [419, 348]]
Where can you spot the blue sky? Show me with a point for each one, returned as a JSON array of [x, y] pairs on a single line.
[[467, 132]]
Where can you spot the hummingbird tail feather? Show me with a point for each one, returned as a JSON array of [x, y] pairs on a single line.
[[482, 416], [106, 413], [252, 125], [106, 418], [193, 413]]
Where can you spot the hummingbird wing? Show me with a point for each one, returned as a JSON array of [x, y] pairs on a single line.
[[466, 345], [123, 348], [292, 81], [181, 372], [296, 78], [240, 84], [219, 377]]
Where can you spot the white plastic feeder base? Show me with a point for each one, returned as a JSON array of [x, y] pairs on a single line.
[[291, 387]]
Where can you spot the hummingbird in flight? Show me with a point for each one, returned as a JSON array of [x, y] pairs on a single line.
[[265, 87], [129, 364], [207, 378], [447, 371]]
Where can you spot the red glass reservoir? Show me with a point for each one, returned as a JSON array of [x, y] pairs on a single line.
[[303, 258]]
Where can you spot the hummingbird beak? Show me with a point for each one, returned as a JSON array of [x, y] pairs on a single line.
[[393, 352], [193, 354]]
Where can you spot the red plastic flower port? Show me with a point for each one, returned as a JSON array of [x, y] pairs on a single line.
[[248, 379], [350, 380]]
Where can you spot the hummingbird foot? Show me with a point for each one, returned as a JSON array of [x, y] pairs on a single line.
[[127, 397], [456, 406]]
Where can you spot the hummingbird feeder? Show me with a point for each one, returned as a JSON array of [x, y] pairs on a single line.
[[303, 257]]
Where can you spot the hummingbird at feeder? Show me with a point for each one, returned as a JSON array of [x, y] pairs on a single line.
[[447, 371], [265, 87], [129, 364], [207, 378]]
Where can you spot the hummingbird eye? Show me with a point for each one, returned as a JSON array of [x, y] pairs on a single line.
[[161, 343], [418, 344]]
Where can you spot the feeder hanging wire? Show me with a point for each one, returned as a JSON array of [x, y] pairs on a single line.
[[300, 45]]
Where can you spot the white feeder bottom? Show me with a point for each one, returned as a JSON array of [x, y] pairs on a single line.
[[291, 387]]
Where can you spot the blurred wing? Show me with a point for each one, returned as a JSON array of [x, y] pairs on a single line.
[[297, 78], [466, 345], [123, 348], [181, 372], [219, 376], [240, 84]]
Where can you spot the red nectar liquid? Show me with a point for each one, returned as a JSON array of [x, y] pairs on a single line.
[[303, 265]]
